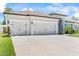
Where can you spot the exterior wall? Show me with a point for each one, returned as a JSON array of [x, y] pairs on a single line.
[[35, 25], [15, 17]]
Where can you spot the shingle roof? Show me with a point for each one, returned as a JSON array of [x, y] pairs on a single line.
[[28, 12]]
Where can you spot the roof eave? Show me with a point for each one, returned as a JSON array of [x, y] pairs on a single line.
[[30, 15], [57, 14]]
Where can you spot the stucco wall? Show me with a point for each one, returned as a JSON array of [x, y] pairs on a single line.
[[15, 17]]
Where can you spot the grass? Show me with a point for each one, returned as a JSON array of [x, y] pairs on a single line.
[[6, 46], [76, 34]]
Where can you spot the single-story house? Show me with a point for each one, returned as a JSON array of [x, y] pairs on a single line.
[[34, 23]]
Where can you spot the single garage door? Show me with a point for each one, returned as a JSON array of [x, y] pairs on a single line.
[[18, 27], [44, 27]]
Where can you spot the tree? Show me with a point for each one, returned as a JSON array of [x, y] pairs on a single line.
[[7, 9]]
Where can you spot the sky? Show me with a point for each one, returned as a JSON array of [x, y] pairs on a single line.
[[70, 9]]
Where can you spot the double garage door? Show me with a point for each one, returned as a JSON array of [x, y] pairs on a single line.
[[22, 27]]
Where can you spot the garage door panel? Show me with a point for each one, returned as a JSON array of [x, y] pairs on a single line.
[[18, 27], [43, 27]]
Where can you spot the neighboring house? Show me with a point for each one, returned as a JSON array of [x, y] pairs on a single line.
[[72, 23], [34, 23]]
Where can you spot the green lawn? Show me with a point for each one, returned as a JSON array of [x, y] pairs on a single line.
[[6, 46], [75, 34]]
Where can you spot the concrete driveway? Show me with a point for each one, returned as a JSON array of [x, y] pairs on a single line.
[[46, 45]]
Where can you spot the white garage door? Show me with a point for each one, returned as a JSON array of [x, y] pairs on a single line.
[[44, 27], [18, 27]]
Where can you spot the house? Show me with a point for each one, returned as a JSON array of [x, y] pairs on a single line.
[[34, 23]]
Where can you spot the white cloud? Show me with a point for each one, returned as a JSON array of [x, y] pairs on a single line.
[[2, 6], [27, 9], [31, 9], [24, 9]]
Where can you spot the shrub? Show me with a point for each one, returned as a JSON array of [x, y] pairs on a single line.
[[6, 31], [69, 30]]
